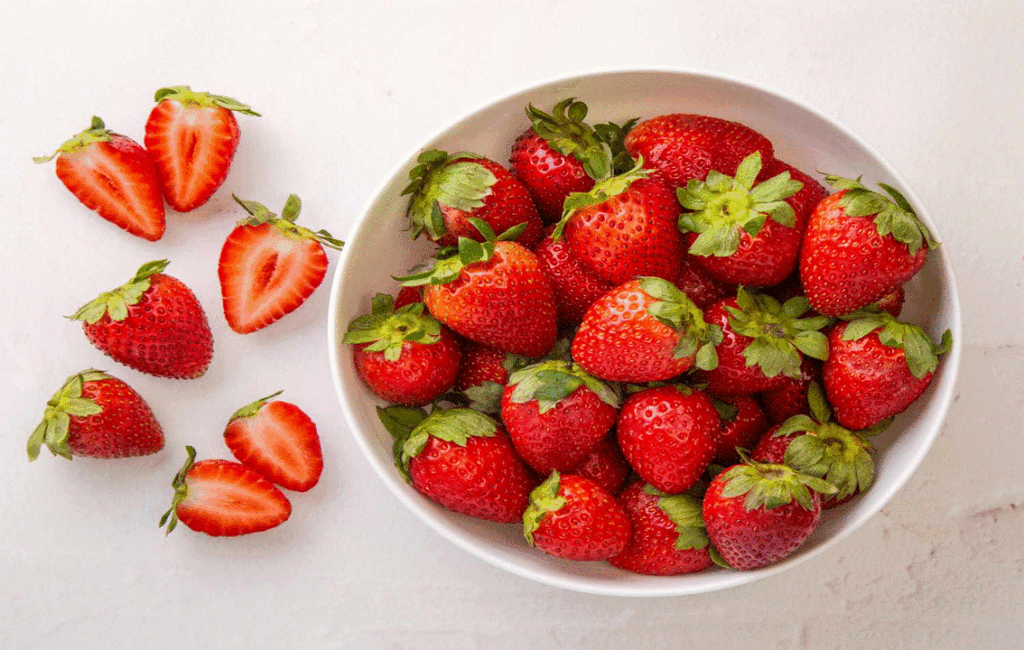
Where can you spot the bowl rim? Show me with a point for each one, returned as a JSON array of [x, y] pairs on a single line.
[[425, 511]]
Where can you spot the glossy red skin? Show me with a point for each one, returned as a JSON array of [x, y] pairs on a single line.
[[772, 255], [756, 538], [480, 363], [263, 506], [698, 285], [893, 302], [505, 302], [866, 381], [631, 234], [407, 296], [606, 465], [772, 449], [214, 128], [562, 437], [619, 341], [422, 373], [130, 198], [165, 334], [845, 264], [668, 437], [686, 146], [508, 204], [591, 526], [124, 428], [742, 431], [790, 398], [652, 550], [548, 175], [732, 376], [280, 442], [484, 479], [576, 287]]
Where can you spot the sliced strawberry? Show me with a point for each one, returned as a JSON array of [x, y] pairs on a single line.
[[192, 138], [269, 266], [114, 176], [278, 440], [224, 498]]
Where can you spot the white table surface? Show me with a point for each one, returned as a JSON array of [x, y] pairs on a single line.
[[346, 92]]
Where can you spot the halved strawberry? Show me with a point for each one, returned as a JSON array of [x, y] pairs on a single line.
[[114, 176], [192, 138], [224, 498], [278, 440], [269, 266]]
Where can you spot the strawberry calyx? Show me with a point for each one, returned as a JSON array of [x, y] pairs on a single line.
[[447, 263], [614, 135], [386, 329], [115, 303], [170, 518], [259, 214], [439, 179], [601, 192], [770, 485], [780, 334], [551, 381], [922, 354], [411, 429], [684, 510], [723, 207], [97, 132], [249, 410], [186, 95], [673, 308], [893, 214], [566, 132], [54, 430], [543, 499]]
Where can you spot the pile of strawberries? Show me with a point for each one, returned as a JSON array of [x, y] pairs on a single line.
[[651, 343], [268, 267]]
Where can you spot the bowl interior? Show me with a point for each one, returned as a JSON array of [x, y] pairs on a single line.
[[380, 247]]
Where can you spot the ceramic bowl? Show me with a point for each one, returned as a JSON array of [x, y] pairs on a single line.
[[803, 137]]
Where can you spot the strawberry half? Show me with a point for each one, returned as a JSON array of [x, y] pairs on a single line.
[[192, 137], [269, 265], [278, 440], [223, 498], [114, 176]]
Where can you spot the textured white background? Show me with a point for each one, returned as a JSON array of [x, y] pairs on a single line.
[[346, 91]]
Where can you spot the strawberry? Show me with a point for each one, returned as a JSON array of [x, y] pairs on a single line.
[[698, 286], [269, 266], [763, 342], [860, 246], [747, 230], [683, 147], [605, 465], [484, 373], [449, 191], [224, 498], [877, 367], [668, 533], [789, 398], [644, 330], [407, 295], [98, 416], [114, 176], [404, 356], [572, 517], [493, 292], [759, 513], [460, 459], [743, 422], [624, 228], [556, 414], [576, 287], [153, 323], [669, 435], [278, 440], [893, 302], [192, 138]]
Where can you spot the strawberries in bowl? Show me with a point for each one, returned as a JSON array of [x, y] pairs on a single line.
[[659, 307]]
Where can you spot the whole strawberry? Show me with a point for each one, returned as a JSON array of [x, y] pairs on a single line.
[[572, 517], [153, 323], [668, 533], [192, 138], [606, 465], [877, 367], [114, 176], [449, 191], [483, 374], [669, 435], [556, 414], [98, 416], [860, 246], [790, 397], [404, 356], [269, 266], [644, 330], [576, 287], [460, 459], [758, 513], [743, 422], [699, 286]]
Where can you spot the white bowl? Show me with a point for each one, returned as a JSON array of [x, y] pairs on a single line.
[[802, 137]]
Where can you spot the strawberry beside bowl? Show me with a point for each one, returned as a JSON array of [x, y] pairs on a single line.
[[803, 137]]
